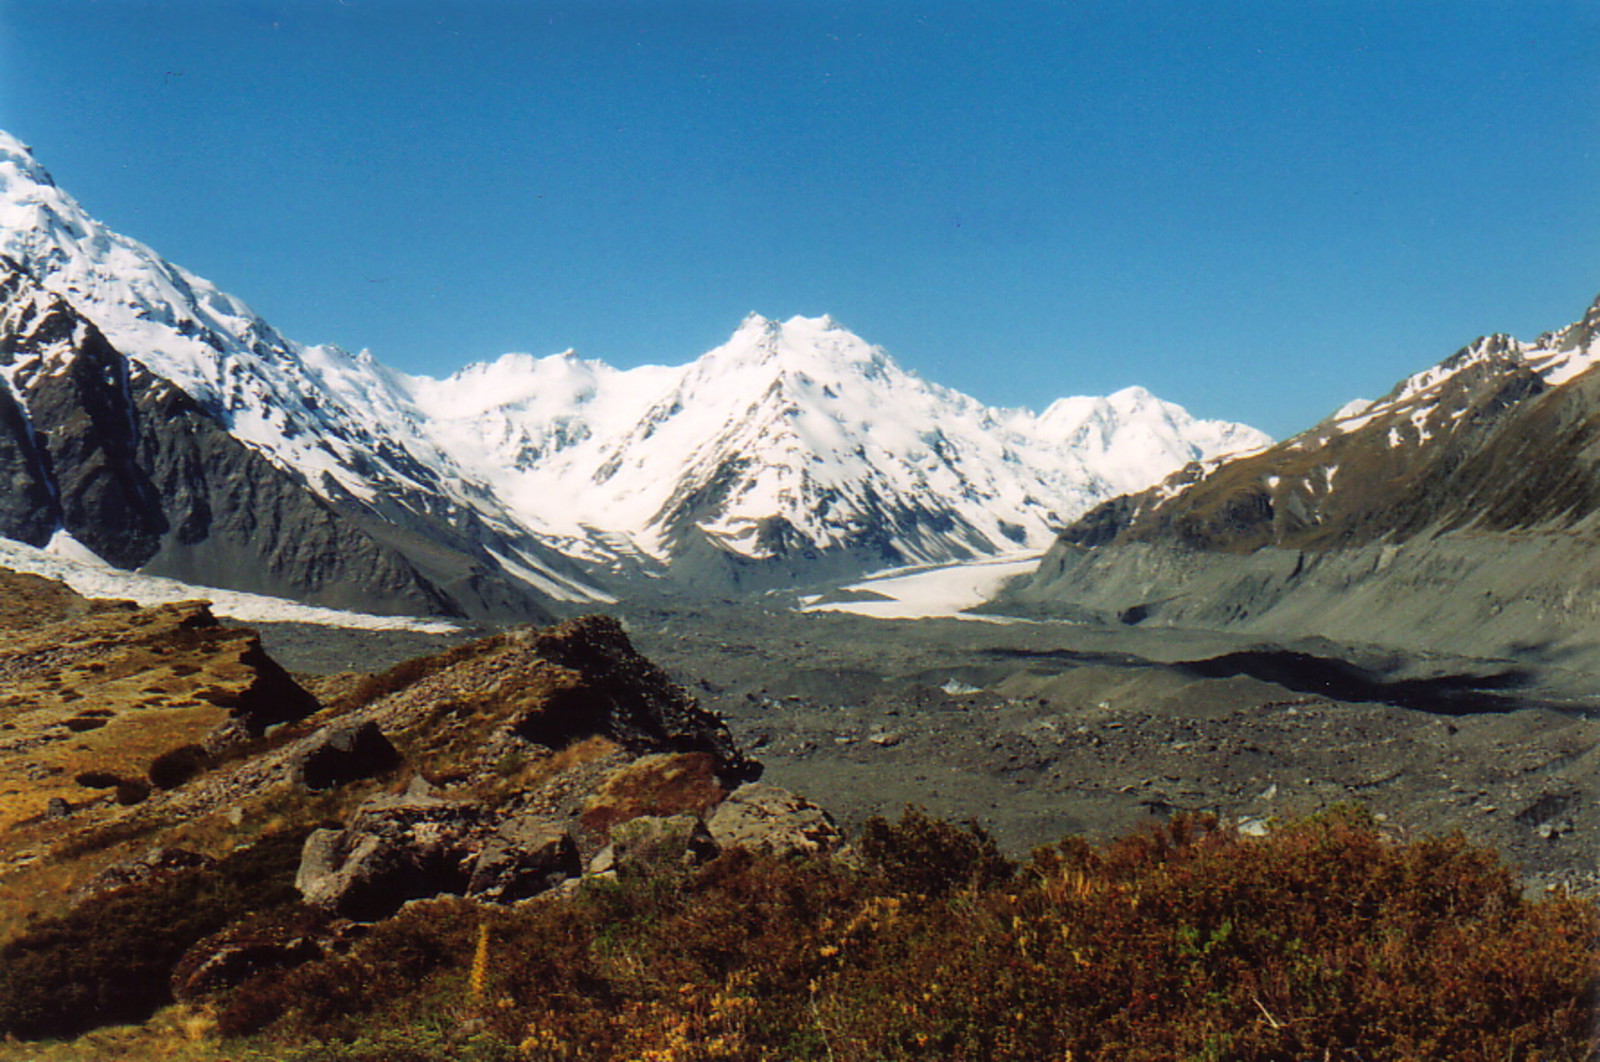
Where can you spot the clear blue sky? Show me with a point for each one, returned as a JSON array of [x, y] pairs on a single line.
[[1258, 210]]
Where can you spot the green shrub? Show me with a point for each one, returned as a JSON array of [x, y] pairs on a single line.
[[1184, 941]]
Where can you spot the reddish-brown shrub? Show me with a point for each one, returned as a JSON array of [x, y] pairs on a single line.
[[1184, 941]]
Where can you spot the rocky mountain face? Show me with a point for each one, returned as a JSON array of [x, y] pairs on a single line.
[[98, 447], [1460, 511], [794, 452], [173, 792], [319, 455]]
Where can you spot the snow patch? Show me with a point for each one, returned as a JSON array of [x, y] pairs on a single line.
[[67, 561], [944, 591], [69, 549], [541, 578]]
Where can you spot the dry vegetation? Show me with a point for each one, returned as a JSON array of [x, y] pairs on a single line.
[[1185, 941]]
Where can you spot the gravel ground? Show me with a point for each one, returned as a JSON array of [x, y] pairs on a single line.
[[1040, 730]]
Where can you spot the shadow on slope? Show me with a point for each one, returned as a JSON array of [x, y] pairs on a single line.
[[1340, 680]]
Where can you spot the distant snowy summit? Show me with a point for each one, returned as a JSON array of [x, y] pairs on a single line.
[[794, 452], [793, 446]]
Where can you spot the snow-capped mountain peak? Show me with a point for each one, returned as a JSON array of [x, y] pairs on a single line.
[[1554, 357], [795, 437], [796, 444]]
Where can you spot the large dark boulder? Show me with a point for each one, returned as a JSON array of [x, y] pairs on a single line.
[[624, 697], [343, 753], [393, 849]]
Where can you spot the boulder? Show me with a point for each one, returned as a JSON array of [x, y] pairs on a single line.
[[622, 697], [527, 855], [393, 849], [764, 817], [416, 846], [338, 754]]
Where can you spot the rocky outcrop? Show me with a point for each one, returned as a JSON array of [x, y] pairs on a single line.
[[623, 697], [71, 431], [400, 848], [766, 818]]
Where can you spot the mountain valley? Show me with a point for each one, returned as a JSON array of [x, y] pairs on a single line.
[[668, 646]]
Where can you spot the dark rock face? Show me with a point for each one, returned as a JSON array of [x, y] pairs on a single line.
[[73, 434], [29, 509], [626, 698], [342, 754], [146, 477], [235, 516]]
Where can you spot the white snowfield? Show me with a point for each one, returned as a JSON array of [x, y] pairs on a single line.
[[796, 435], [67, 560], [941, 592], [800, 419]]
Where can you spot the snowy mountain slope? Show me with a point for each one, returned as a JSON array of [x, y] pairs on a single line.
[[796, 438], [341, 423], [96, 446], [265, 388], [68, 561], [794, 451]]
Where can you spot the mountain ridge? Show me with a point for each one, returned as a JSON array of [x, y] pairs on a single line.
[[1458, 514], [794, 452]]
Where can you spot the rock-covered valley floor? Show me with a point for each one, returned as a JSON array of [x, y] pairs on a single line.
[[546, 843], [1041, 730]]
